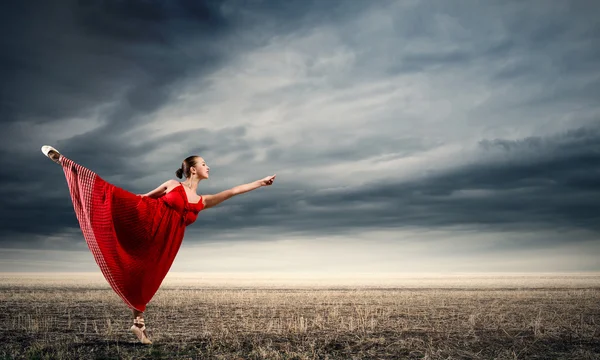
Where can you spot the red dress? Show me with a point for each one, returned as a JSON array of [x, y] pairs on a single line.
[[134, 239]]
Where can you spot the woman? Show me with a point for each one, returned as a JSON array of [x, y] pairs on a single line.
[[135, 238]]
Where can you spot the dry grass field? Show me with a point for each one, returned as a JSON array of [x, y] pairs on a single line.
[[77, 316]]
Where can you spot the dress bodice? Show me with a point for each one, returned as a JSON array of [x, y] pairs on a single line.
[[177, 199]]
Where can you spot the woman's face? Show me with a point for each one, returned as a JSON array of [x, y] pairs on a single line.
[[201, 169]]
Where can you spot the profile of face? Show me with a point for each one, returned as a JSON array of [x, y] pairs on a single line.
[[200, 169]]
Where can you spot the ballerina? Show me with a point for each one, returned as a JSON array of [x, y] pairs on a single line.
[[134, 238]]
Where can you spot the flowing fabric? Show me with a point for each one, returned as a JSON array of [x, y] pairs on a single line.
[[134, 239]]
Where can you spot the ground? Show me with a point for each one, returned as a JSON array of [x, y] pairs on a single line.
[[490, 317]]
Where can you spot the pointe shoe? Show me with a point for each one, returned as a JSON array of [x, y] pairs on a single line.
[[51, 153], [139, 331]]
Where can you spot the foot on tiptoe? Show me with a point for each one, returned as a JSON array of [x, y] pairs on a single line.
[[139, 329]]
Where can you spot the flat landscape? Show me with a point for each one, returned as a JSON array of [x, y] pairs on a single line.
[[363, 316]]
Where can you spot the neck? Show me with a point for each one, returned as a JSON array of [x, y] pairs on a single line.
[[191, 183]]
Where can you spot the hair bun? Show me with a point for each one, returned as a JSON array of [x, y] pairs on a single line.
[[179, 173]]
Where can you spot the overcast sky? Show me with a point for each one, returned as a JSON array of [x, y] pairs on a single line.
[[406, 135]]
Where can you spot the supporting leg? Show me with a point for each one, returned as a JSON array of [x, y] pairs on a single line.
[[137, 313], [139, 327]]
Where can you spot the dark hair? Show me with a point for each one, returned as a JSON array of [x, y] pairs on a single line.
[[188, 163]]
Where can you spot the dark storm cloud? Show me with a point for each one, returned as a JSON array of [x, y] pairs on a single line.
[[116, 62], [64, 60], [67, 60]]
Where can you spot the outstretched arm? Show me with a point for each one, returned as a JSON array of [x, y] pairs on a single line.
[[213, 200]]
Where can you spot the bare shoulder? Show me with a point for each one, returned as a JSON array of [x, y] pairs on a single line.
[[170, 184]]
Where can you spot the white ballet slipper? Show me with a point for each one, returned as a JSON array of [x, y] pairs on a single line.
[[140, 331], [46, 149]]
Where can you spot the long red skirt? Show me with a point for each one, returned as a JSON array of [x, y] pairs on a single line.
[[134, 239]]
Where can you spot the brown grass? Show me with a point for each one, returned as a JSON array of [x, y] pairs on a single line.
[[41, 318]]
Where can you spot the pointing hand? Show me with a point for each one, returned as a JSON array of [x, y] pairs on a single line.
[[267, 181]]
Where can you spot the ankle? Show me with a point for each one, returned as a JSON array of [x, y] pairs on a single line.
[[139, 321]]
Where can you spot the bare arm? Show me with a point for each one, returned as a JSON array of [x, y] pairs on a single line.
[[213, 200], [159, 191]]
